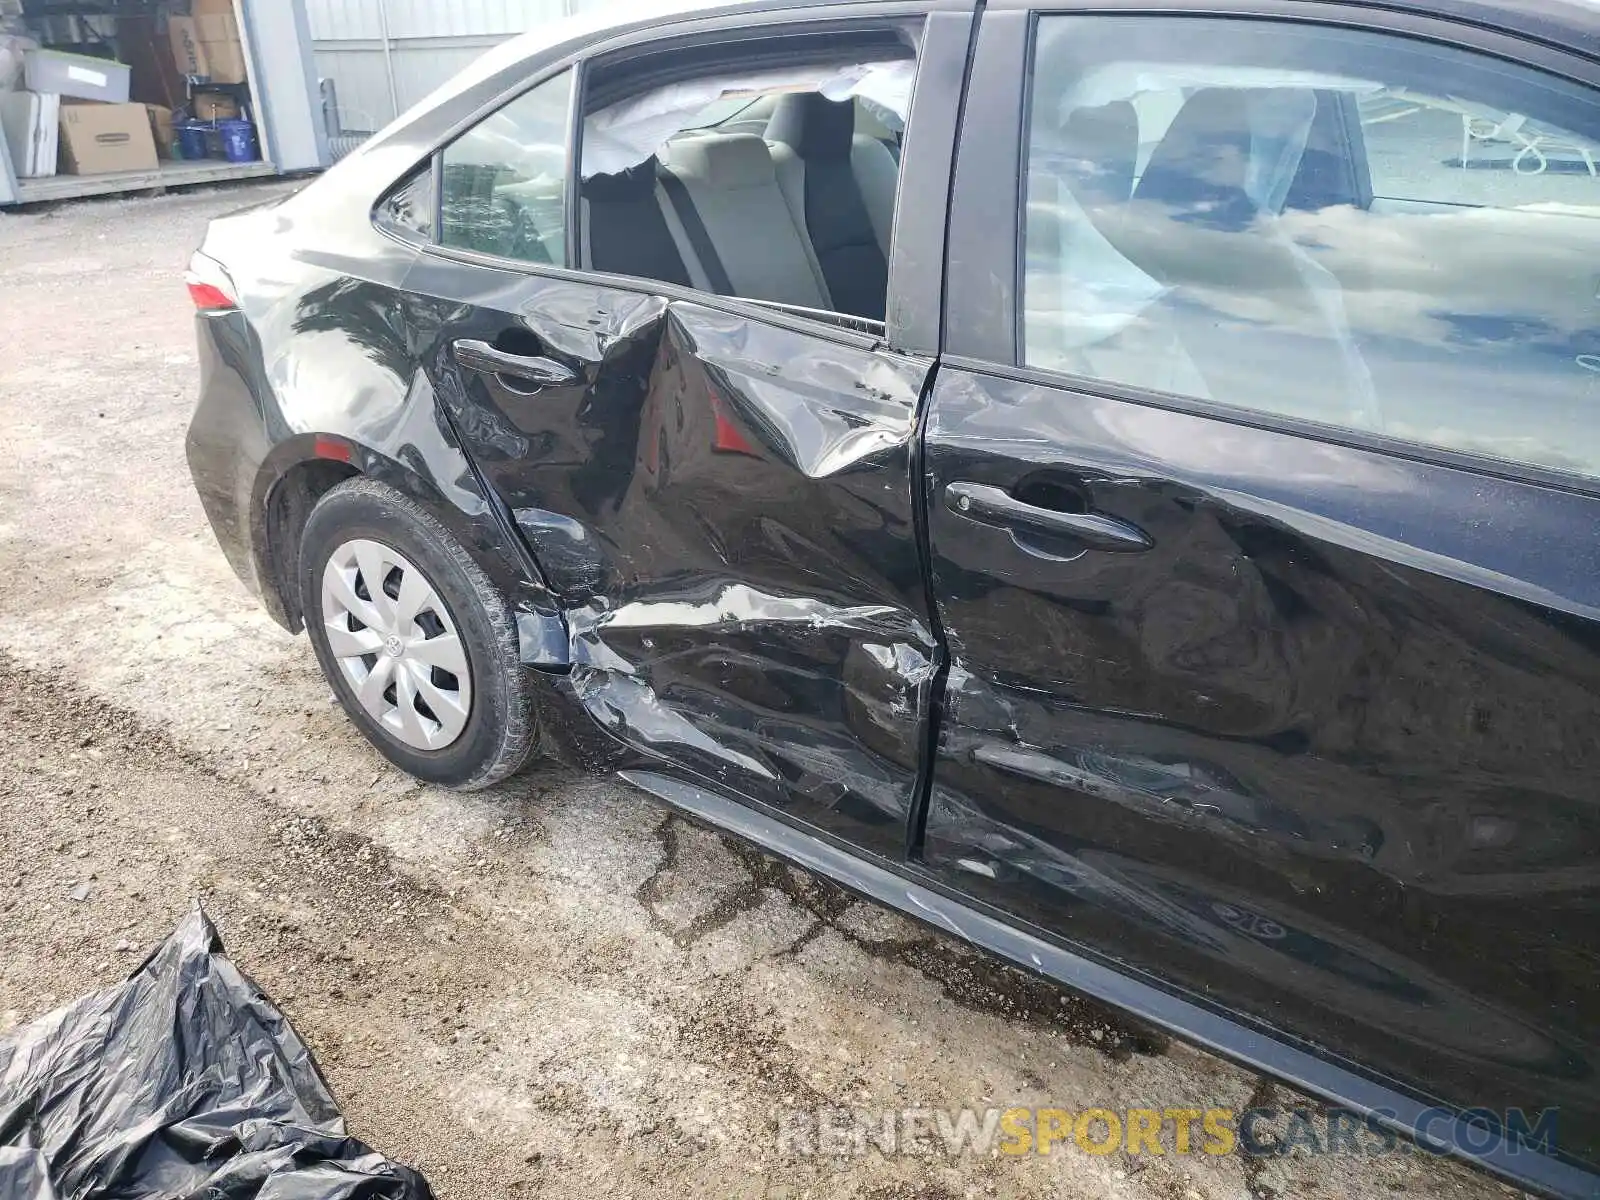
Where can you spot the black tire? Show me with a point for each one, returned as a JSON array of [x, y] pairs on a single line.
[[501, 728]]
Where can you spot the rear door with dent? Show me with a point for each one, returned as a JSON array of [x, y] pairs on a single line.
[[717, 488]]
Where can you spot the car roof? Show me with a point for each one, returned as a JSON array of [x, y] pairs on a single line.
[[1573, 25], [1569, 24]]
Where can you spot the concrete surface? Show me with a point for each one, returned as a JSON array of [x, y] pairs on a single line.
[[552, 989]]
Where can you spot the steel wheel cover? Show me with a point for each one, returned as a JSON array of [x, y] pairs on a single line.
[[396, 644]]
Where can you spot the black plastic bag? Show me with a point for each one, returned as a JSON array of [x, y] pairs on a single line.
[[181, 1082]]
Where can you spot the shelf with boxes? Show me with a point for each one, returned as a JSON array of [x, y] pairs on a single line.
[[101, 89]]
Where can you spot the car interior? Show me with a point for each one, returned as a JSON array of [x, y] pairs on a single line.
[[783, 194]]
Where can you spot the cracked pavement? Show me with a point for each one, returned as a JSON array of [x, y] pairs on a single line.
[[549, 989]]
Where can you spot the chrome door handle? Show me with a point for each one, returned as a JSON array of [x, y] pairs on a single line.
[[995, 506], [535, 371]]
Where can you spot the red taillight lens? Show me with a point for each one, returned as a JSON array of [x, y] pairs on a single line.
[[208, 297], [209, 285]]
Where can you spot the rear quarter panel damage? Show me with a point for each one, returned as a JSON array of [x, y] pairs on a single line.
[[319, 366]]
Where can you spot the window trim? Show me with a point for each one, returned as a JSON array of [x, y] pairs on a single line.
[[763, 310], [411, 238], [986, 210], [983, 336], [436, 158]]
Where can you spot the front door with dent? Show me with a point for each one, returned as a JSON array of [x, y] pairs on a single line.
[[1263, 537]]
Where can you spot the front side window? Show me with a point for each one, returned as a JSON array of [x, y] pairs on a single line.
[[1348, 227], [505, 180]]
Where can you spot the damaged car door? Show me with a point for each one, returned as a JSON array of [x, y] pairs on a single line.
[[1295, 511], [717, 490]]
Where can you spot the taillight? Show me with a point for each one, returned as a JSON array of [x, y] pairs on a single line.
[[209, 285], [207, 296]]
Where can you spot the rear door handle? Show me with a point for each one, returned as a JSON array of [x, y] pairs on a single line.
[[528, 371], [995, 506]]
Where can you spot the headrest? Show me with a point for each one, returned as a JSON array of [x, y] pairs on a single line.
[[813, 125], [1229, 155], [723, 160], [1099, 148], [636, 183], [1333, 169]]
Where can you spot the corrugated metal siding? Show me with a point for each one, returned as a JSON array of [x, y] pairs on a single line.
[[344, 20], [429, 42], [418, 72], [360, 85]]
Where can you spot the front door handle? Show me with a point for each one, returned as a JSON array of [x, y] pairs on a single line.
[[995, 506], [528, 372]]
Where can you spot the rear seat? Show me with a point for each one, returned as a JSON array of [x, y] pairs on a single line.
[[841, 189], [625, 230], [728, 215]]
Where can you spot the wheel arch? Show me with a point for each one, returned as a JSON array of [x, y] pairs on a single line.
[[286, 505], [300, 470]]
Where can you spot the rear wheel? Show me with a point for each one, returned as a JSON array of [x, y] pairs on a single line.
[[417, 643]]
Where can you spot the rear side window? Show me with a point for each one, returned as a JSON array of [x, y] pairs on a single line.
[[774, 183], [504, 181], [1353, 228]]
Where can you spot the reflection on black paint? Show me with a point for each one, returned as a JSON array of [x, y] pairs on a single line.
[[1346, 696], [364, 313]]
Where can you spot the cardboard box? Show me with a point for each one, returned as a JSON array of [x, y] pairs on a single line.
[[76, 75], [97, 138], [213, 106], [211, 8], [188, 52], [161, 129], [216, 27], [225, 62]]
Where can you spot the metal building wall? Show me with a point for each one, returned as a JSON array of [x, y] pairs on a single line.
[[278, 40], [427, 43]]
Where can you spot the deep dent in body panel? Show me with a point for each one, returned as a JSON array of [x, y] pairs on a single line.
[[723, 508], [795, 413], [613, 688]]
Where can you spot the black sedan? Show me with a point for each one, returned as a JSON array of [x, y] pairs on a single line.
[[1119, 485]]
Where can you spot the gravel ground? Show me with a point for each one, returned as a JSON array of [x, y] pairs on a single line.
[[545, 990]]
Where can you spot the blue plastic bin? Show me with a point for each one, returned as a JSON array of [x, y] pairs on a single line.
[[239, 141], [192, 139]]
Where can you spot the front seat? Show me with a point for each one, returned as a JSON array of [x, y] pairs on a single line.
[[1262, 322], [1080, 292], [841, 188]]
